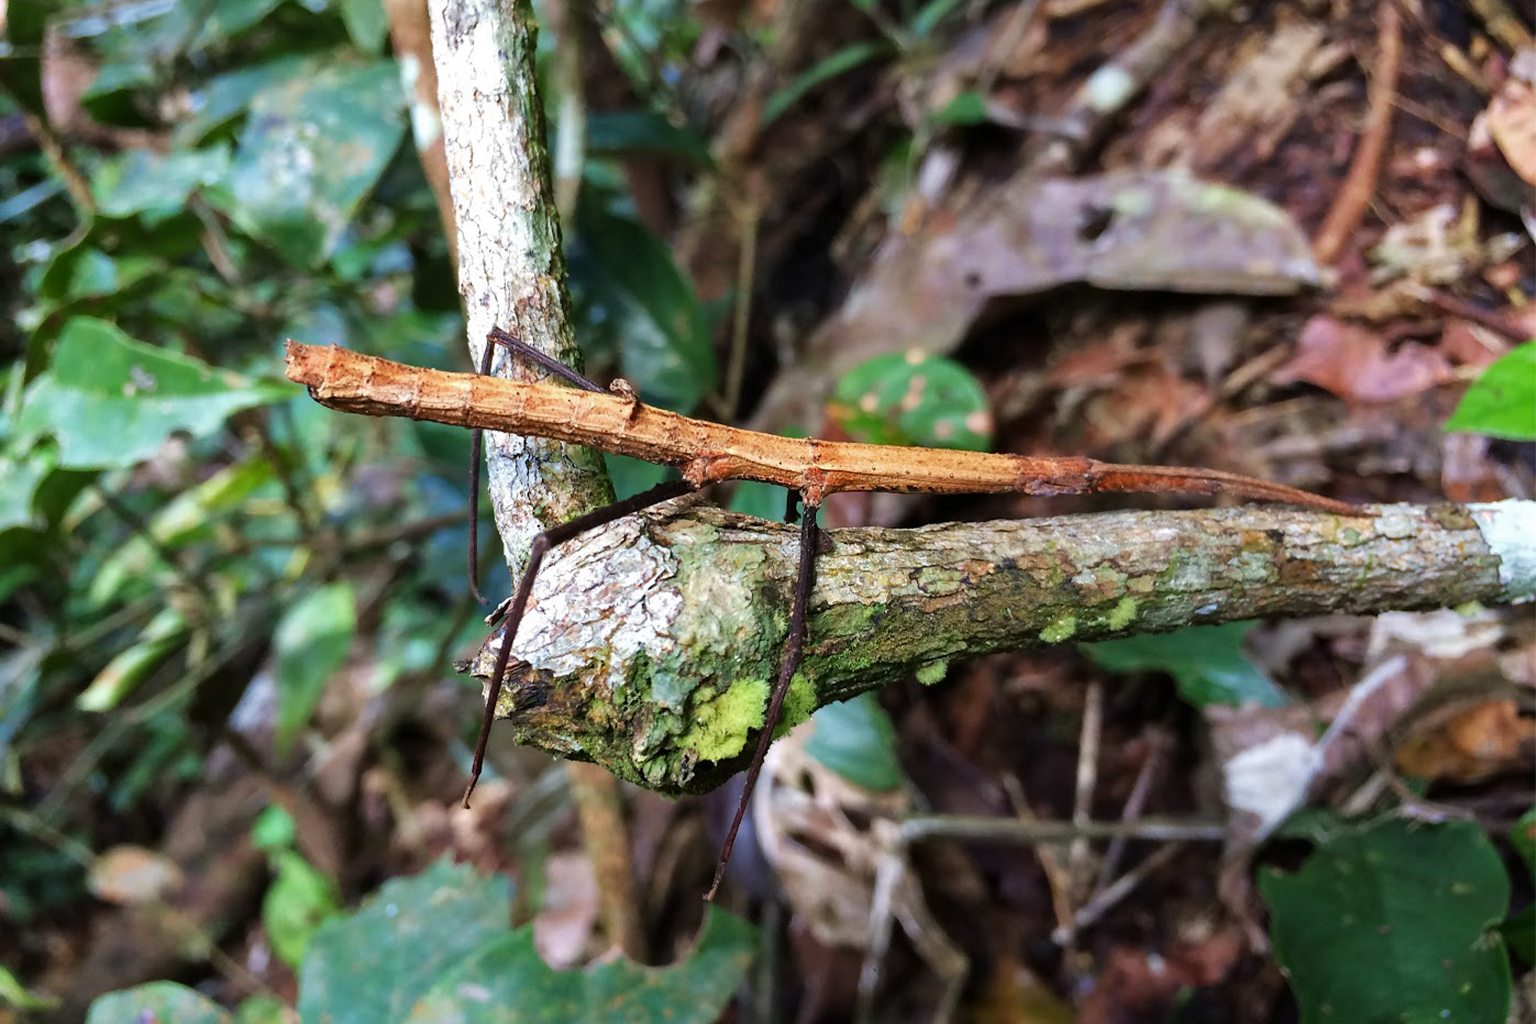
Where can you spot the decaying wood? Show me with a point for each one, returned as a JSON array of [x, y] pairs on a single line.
[[710, 452]]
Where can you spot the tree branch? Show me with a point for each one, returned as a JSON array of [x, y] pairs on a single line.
[[511, 269], [649, 646]]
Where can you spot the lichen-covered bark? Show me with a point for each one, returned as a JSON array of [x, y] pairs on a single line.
[[511, 271], [650, 645]]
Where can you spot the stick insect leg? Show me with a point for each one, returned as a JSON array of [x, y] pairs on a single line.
[[512, 344], [551, 538], [517, 347], [794, 648]]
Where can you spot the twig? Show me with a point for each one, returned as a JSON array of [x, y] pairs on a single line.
[[1047, 855], [601, 811], [1494, 320], [1012, 830], [1096, 907], [741, 316], [1360, 182], [1151, 765], [571, 146], [1087, 778]]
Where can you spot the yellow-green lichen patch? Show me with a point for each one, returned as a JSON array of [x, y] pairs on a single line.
[[721, 722], [1122, 614], [932, 672], [1062, 629], [799, 704]]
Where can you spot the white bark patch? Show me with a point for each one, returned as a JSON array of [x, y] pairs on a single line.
[[1509, 528], [604, 591]]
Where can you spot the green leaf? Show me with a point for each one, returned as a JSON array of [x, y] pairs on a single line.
[[933, 12], [111, 401], [263, 1010], [13, 994], [166, 633], [1502, 402], [631, 476], [1523, 838], [226, 96], [630, 296], [22, 475], [162, 1001], [765, 501], [20, 678], [628, 132], [508, 981], [189, 514], [844, 60], [913, 399], [856, 739], [313, 147], [1519, 929], [1394, 923], [965, 109], [310, 643], [144, 182], [373, 966], [299, 900], [273, 829], [366, 23], [1207, 663]]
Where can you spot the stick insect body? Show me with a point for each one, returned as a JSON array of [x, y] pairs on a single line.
[[707, 453]]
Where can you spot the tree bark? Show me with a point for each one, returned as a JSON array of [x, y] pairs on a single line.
[[649, 646], [511, 269]]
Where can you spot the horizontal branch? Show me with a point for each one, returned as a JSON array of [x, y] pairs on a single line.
[[650, 645]]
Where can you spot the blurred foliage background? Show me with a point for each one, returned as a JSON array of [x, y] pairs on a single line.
[[217, 596]]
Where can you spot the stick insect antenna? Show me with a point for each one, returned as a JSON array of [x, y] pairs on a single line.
[[552, 538], [794, 648], [512, 344]]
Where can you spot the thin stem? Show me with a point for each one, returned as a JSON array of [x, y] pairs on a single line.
[[1013, 830], [192, 580]]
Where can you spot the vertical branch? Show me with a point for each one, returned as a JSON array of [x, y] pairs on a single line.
[[511, 269], [512, 275]]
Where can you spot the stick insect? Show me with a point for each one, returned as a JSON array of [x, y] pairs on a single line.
[[708, 453]]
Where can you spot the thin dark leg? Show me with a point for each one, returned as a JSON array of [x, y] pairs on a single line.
[[476, 453], [794, 648], [497, 336], [550, 538]]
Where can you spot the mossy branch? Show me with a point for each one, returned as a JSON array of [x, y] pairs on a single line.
[[650, 645]]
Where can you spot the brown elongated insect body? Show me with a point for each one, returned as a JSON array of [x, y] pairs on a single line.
[[710, 452], [707, 453]]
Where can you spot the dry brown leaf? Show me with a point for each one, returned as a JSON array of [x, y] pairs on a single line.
[[836, 848], [1260, 100], [563, 926], [1473, 744], [1512, 123], [1355, 363], [129, 875]]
